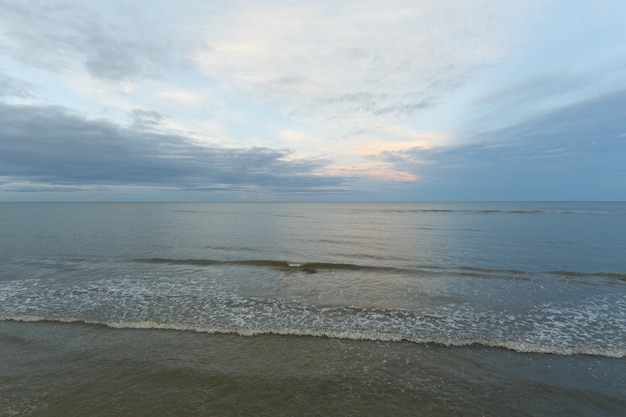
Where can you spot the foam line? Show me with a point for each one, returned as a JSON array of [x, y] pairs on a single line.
[[518, 346]]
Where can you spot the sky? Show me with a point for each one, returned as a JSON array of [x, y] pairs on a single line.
[[351, 100]]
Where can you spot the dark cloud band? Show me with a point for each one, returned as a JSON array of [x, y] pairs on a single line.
[[53, 145]]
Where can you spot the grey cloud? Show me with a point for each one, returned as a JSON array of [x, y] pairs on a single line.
[[582, 144], [539, 91], [52, 145], [406, 108], [369, 103], [360, 102], [534, 88], [147, 119], [385, 99], [13, 87], [58, 34], [282, 87], [288, 81]]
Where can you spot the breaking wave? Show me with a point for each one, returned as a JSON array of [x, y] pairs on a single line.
[[128, 293], [350, 334]]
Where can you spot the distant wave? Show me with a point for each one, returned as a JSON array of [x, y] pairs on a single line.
[[304, 266], [614, 275], [473, 211], [411, 210], [515, 345], [315, 266], [202, 262], [479, 211]]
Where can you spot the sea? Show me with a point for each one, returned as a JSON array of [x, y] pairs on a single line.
[[313, 309]]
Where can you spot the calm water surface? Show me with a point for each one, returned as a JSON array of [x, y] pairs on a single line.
[[313, 309]]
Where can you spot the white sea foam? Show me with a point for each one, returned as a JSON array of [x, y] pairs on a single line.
[[350, 334], [209, 297]]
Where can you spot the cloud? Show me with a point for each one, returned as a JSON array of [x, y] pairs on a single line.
[[544, 90], [180, 96], [574, 149], [357, 60], [52, 145], [13, 87], [332, 68], [224, 95], [147, 119], [70, 35]]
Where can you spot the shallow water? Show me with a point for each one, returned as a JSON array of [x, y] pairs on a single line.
[[353, 309], [53, 369]]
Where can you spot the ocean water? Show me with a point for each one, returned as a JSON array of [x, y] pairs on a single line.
[[272, 309]]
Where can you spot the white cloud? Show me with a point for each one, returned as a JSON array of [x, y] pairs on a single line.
[[180, 96], [353, 79], [365, 58]]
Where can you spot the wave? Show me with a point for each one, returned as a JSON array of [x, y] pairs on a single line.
[[614, 275], [270, 263], [206, 262], [520, 346], [418, 210], [474, 211], [208, 303], [314, 266]]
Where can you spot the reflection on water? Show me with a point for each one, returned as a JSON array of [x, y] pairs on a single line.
[[417, 308]]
